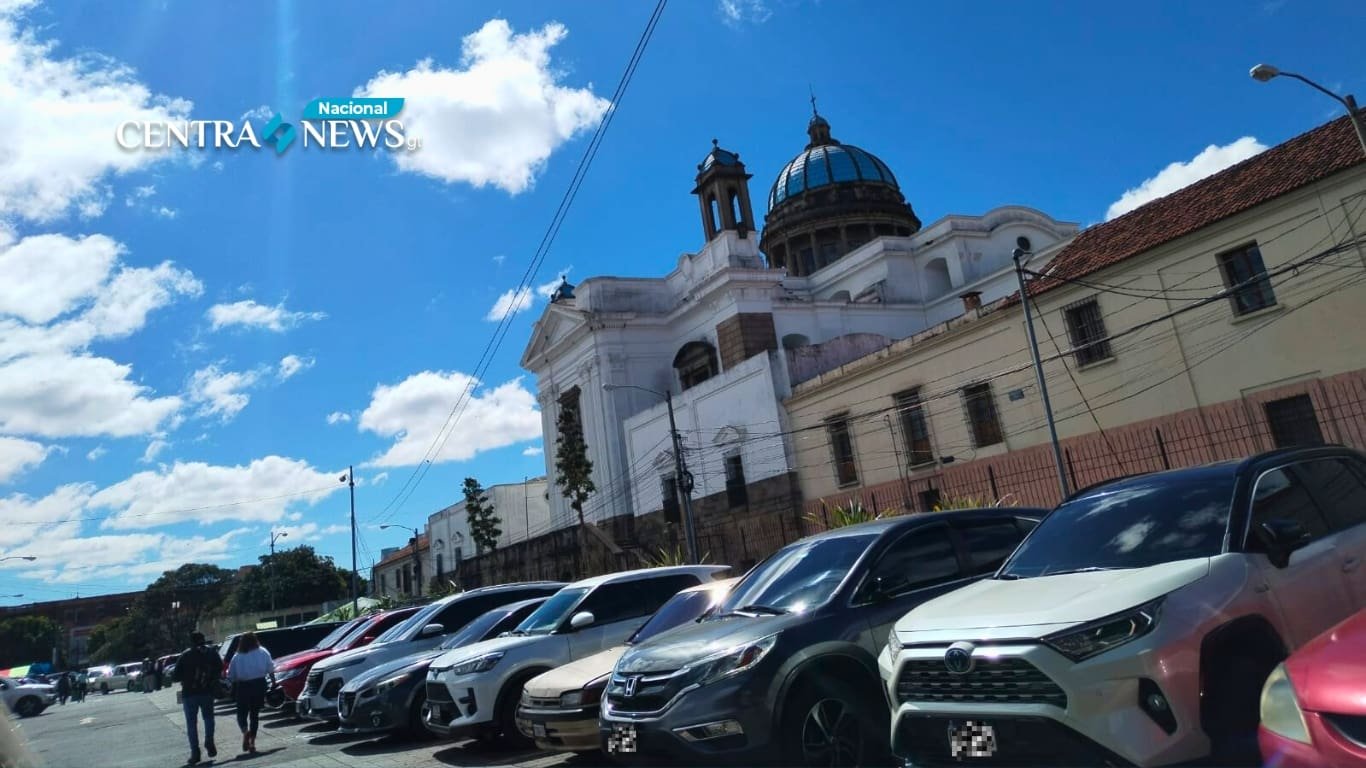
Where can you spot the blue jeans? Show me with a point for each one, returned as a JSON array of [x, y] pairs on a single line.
[[193, 704]]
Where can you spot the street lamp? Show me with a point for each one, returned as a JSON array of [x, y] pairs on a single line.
[[273, 537], [350, 479], [29, 558], [1265, 72], [684, 482], [417, 559]]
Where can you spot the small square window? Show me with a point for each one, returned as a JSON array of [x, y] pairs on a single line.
[[915, 430], [1293, 422], [1086, 330], [1245, 277]]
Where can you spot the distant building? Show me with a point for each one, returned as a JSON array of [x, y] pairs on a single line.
[[399, 574], [77, 617], [523, 511]]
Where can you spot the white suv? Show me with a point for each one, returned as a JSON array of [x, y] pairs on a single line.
[[422, 631], [1136, 624], [475, 690]]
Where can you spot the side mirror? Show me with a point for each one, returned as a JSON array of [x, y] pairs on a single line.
[[581, 620], [1282, 537], [432, 630]]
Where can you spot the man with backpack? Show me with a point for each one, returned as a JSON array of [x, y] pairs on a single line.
[[198, 670]]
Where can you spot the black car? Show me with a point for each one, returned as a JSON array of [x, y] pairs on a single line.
[[786, 668], [390, 696], [279, 642]]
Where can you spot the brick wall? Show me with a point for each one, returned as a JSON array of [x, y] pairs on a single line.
[[745, 335]]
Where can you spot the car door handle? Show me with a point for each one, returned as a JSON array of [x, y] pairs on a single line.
[[1350, 564]]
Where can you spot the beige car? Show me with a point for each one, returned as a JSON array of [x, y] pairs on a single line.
[[559, 708]]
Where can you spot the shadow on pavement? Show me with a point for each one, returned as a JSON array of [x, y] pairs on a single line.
[[333, 737], [246, 757], [385, 745], [478, 753]]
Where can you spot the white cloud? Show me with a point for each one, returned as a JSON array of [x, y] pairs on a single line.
[[249, 314], [217, 166], [337, 417], [292, 364], [499, 259], [45, 519], [18, 456], [96, 453], [513, 301], [1210, 161], [221, 393], [263, 112], [740, 11], [303, 533], [60, 145], [154, 449], [60, 395], [413, 411], [495, 119], [46, 276], [207, 494], [164, 212], [533, 450], [380, 478], [136, 557]]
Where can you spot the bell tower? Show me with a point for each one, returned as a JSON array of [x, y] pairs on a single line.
[[723, 194]]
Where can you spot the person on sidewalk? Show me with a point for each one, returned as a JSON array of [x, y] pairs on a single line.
[[197, 670], [63, 688], [247, 672]]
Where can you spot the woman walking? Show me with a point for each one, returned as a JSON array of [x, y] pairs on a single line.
[[247, 671]]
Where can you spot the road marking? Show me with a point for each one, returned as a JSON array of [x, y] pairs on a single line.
[[87, 720]]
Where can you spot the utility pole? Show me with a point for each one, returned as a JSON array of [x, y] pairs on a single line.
[[273, 537], [1019, 255], [350, 480], [684, 482]]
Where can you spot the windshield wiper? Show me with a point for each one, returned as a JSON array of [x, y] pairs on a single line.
[[1087, 569], [767, 610]]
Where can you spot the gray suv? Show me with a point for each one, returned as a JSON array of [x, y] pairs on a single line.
[[786, 668]]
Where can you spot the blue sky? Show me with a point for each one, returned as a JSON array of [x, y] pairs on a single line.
[[194, 345]]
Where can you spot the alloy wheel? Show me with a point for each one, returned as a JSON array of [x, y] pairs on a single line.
[[831, 735]]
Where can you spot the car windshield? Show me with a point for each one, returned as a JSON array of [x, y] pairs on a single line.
[[799, 577], [399, 630], [551, 613], [474, 631], [1138, 524], [681, 608], [335, 636]]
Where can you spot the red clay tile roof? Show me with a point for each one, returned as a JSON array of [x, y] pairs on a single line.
[[403, 554], [1303, 160]]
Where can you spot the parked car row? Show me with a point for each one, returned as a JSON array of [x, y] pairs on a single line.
[[1146, 621]]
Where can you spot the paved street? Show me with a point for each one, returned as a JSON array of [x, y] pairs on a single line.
[[136, 730]]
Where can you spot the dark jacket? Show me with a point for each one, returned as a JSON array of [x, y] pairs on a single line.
[[198, 669]]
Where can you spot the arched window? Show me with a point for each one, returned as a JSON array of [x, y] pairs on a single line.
[[695, 363], [440, 564], [794, 340], [735, 208], [714, 209]]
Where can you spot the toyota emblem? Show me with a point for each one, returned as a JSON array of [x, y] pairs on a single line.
[[958, 658], [630, 685]]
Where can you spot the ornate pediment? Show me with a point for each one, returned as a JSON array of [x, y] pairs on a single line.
[[663, 461], [556, 324], [728, 434]]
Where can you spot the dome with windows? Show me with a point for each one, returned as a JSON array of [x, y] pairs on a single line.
[[828, 201]]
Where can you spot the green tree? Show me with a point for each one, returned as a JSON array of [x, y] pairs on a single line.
[[27, 639], [482, 518], [300, 577], [120, 640], [172, 606], [573, 468]]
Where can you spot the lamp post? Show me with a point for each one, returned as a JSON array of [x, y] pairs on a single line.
[[273, 537], [29, 558], [1265, 72], [684, 481], [417, 558], [350, 479], [1021, 257]]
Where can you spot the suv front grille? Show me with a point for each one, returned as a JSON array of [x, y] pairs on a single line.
[[653, 692], [313, 681], [992, 681], [437, 692]]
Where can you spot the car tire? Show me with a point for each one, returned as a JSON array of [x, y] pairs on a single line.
[[104, 689], [505, 716], [1234, 688], [414, 728], [828, 723], [28, 706]]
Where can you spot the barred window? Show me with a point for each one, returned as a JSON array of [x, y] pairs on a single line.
[[1245, 274], [736, 493], [915, 430], [1086, 329], [979, 408], [842, 449]]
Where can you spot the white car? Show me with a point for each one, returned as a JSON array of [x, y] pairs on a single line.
[[26, 699], [1137, 623], [475, 690], [423, 630], [117, 678]]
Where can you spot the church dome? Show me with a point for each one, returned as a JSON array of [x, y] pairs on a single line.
[[828, 164]]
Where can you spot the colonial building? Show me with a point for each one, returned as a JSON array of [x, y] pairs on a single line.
[[399, 573], [523, 511], [1218, 321], [843, 267]]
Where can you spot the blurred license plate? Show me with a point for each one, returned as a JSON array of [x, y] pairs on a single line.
[[538, 730], [971, 739], [622, 739]]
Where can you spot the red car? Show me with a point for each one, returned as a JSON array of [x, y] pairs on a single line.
[[1314, 704], [291, 671]]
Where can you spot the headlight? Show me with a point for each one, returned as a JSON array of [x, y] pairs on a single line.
[[732, 661], [1101, 635], [476, 665], [389, 684], [572, 699], [893, 645], [1281, 712], [282, 675]]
